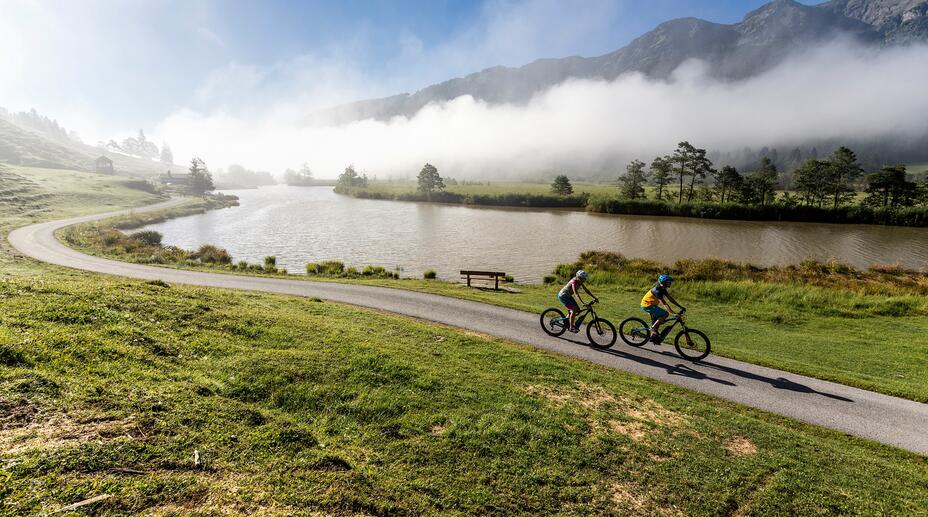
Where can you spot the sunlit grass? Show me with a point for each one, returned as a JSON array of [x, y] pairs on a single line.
[[114, 387]]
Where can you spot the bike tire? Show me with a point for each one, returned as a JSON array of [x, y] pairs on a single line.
[[626, 329], [601, 333], [695, 344], [547, 316]]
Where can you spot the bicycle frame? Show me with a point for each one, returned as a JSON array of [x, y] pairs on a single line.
[[582, 314], [677, 318]]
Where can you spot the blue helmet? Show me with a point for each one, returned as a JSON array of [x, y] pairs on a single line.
[[664, 279], [582, 275]]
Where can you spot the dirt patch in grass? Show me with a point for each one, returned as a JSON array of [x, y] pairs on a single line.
[[227, 494], [631, 499], [740, 446], [633, 430], [596, 398], [55, 430]]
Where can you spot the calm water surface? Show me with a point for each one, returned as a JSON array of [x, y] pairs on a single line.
[[311, 224]]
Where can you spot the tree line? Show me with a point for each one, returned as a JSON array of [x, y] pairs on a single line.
[[687, 175]]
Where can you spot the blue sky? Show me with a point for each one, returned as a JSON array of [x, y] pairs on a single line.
[[105, 67]]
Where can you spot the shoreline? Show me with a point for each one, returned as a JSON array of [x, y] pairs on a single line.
[[909, 217]]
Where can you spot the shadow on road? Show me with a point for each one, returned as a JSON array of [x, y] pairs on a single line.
[[685, 370], [672, 369], [779, 382]]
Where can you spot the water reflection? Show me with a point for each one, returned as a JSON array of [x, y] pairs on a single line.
[[301, 225]]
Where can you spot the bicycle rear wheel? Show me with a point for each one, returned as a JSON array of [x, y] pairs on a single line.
[[634, 331], [692, 344], [601, 333], [553, 322]]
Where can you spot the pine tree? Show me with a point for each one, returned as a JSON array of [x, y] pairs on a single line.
[[728, 182], [811, 180], [429, 180], [631, 184], [699, 168], [561, 186], [661, 173], [890, 188], [201, 181], [682, 157], [764, 181], [844, 171]]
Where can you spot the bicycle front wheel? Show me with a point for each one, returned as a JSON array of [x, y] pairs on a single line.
[[634, 331], [553, 322], [692, 344], [601, 333]]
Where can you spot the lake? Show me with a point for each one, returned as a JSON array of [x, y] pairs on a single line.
[[312, 224]]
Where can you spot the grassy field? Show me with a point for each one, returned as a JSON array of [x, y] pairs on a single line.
[[28, 194], [493, 187], [865, 329], [917, 168], [173, 400]]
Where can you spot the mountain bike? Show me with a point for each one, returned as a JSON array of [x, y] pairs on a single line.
[[599, 331], [690, 343]]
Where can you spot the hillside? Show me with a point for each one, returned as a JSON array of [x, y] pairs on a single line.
[[732, 52], [33, 148]]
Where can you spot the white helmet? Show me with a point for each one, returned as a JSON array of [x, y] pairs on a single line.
[[582, 275]]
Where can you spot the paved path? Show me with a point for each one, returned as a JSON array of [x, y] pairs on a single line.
[[890, 420]]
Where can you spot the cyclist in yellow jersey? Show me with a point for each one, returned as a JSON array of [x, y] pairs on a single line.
[[652, 300]]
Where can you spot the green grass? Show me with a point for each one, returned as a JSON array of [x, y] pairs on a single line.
[[861, 329], [29, 194], [917, 168], [110, 387], [493, 188]]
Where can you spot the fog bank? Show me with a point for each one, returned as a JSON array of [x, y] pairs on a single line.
[[839, 91]]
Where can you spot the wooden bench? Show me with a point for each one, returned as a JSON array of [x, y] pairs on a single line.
[[489, 276]]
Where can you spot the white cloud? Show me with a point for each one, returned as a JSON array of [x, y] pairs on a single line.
[[838, 91]]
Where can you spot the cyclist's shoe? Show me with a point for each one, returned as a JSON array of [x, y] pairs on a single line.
[[575, 330], [656, 338]]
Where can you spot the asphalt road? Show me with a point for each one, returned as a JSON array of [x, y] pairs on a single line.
[[890, 420]]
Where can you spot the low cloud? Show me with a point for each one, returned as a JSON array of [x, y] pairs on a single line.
[[839, 91]]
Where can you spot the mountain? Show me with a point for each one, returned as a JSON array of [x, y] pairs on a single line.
[[899, 21], [760, 41]]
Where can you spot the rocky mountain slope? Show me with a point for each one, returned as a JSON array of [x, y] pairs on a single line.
[[732, 52]]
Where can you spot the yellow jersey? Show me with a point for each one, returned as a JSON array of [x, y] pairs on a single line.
[[654, 296]]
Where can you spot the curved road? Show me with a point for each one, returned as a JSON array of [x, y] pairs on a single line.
[[890, 420]]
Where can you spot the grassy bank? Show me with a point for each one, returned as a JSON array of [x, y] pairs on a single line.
[[114, 387], [509, 194], [825, 320], [602, 198], [179, 400], [916, 216]]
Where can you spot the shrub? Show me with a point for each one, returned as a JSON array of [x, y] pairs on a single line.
[[312, 268], [351, 271], [332, 267], [149, 237], [209, 254], [270, 262], [550, 279], [888, 269], [429, 275], [111, 237], [508, 279]]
